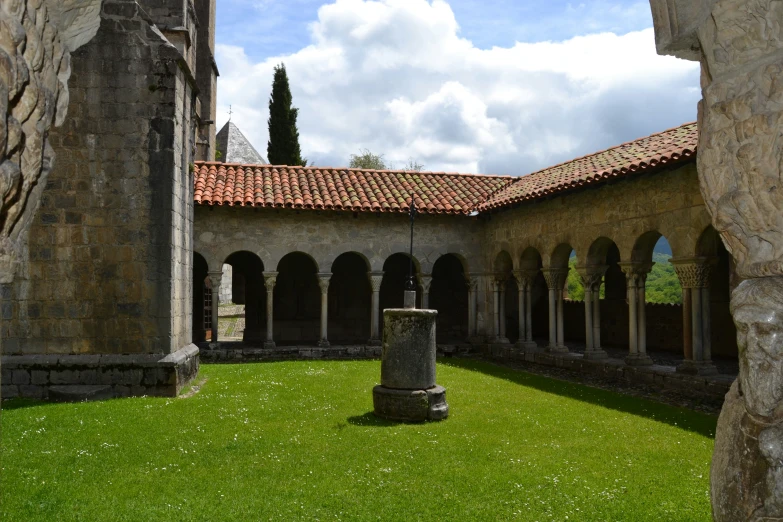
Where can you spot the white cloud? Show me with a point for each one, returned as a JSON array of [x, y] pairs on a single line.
[[394, 76]]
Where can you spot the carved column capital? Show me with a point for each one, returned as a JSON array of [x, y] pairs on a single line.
[[525, 277], [555, 277], [216, 277], [425, 280], [693, 272], [376, 278], [323, 281], [471, 280], [270, 278], [591, 275], [636, 273]]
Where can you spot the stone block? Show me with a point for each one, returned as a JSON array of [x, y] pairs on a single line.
[[64, 377], [39, 377], [21, 377], [31, 391], [9, 391], [408, 357]]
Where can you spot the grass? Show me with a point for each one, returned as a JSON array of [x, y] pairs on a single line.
[[296, 440]]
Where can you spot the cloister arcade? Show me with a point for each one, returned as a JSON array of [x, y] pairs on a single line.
[[525, 301]]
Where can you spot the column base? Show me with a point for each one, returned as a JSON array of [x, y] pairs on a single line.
[[527, 346], [476, 339], [595, 355], [557, 349], [410, 405], [269, 344], [500, 340], [374, 342], [323, 343], [689, 367], [638, 360]]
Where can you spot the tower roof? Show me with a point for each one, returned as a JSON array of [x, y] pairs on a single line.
[[234, 147]]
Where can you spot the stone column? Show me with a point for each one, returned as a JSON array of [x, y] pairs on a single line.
[[555, 279], [425, 280], [739, 45], [376, 278], [592, 277], [496, 311], [472, 283], [215, 277], [270, 278], [323, 282], [694, 276], [525, 280], [636, 277], [502, 316]]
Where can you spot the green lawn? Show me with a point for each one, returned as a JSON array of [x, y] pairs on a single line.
[[295, 440]]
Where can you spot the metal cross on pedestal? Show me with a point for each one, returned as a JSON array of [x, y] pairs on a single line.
[[410, 285]]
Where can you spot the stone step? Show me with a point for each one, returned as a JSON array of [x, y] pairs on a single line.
[[80, 393]]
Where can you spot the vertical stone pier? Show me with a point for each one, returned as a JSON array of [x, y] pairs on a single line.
[[408, 391]]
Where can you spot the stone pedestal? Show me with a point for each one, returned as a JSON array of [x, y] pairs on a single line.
[[408, 391]]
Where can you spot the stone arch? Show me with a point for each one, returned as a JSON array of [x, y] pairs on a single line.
[[200, 312], [247, 288], [449, 296], [560, 255], [530, 259], [723, 280], [395, 274], [350, 294], [297, 300]]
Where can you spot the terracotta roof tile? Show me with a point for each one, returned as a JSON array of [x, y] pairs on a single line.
[[656, 151], [341, 189], [437, 192]]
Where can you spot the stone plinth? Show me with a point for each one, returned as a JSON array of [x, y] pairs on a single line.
[[408, 391]]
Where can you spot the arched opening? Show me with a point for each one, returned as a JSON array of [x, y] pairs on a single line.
[[449, 296], [243, 317], [202, 320], [395, 275], [723, 280], [507, 312], [613, 308], [539, 310], [297, 301], [350, 294]]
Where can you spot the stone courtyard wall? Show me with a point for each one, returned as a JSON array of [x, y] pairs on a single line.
[[109, 262]]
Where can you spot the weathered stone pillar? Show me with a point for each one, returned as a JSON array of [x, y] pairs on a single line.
[[694, 276], [472, 283], [425, 280], [408, 390], [502, 316], [323, 282], [555, 279], [496, 311], [740, 47], [636, 277], [376, 278], [592, 277], [270, 278], [215, 277], [525, 280]]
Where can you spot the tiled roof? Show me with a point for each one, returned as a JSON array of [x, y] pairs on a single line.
[[341, 189], [437, 192], [657, 151]]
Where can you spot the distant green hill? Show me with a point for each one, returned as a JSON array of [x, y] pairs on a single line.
[[662, 283]]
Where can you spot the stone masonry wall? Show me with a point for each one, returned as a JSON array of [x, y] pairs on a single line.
[[109, 268]]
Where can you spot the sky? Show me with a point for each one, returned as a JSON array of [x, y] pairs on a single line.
[[478, 86]]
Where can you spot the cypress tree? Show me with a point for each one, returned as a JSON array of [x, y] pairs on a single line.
[[283, 146]]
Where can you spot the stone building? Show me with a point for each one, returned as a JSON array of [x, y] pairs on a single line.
[[321, 251], [118, 283], [104, 298]]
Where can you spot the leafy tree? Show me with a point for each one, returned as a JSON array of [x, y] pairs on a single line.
[[413, 165], [576, 291], [367, 160], [663, 286], [283, 146]]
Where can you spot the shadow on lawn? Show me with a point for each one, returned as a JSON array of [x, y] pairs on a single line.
[[696, 422], [369, 419]]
